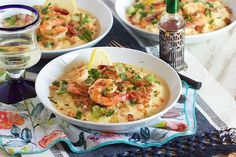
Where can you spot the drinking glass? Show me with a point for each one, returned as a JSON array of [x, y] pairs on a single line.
[[18, 51]]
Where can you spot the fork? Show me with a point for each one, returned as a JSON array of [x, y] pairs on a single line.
[[114, 43]]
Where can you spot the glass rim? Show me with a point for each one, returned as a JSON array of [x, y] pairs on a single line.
[[19, 6]]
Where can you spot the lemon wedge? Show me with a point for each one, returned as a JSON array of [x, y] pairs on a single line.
[[69, 5], [99, 57], [148, 2]]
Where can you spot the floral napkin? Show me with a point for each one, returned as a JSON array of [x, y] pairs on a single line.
[[28, 127]]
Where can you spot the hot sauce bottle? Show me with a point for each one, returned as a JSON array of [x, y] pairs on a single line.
[[171, 36]]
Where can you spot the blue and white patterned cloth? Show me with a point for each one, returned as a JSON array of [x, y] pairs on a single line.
[[28, 127]]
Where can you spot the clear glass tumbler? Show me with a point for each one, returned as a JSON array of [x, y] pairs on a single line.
[[18, 50]]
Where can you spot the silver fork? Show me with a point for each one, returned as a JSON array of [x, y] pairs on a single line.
[[114, 43]]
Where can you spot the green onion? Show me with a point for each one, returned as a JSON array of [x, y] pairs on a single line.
[[210, 4], [94, 74], [150, 78], [86, 35], [96, 111], [45, 9], [78, 115], [151, 6], [39, 37], [120, 68], [139, 6], [143, 14], [48, 44], [131, 10], [63, 88], [211, 21], [102, 111], [105, 91], [109, 113], [135, 88], [130, 102], [123, 77], [154, 21], [75, 18], [208, 12], [136, 77], [181, 5], [56, 83], [84, 19], [188, 18]]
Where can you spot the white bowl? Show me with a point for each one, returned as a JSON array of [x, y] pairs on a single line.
[[54, 69], [96, 7], [122, 5]]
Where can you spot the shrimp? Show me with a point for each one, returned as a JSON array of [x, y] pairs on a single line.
[[193, 8], [103, 92], [110, 73], [53, 28], [198, 23]]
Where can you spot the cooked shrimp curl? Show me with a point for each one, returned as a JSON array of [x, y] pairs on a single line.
[[103, 91]]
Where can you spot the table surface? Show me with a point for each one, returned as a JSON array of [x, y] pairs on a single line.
[[218, 56]]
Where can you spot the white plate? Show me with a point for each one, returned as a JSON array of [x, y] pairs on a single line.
[[57, 67], [96, 7], [122, 5]]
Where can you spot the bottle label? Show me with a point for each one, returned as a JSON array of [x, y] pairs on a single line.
[[172, 48]]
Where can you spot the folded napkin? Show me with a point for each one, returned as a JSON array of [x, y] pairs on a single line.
[[28, 127]]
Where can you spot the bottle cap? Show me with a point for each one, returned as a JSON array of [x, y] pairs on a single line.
[[172, 6]]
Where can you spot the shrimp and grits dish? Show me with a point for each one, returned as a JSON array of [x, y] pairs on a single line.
[[109, 93], [61, 29], [201, 16]]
